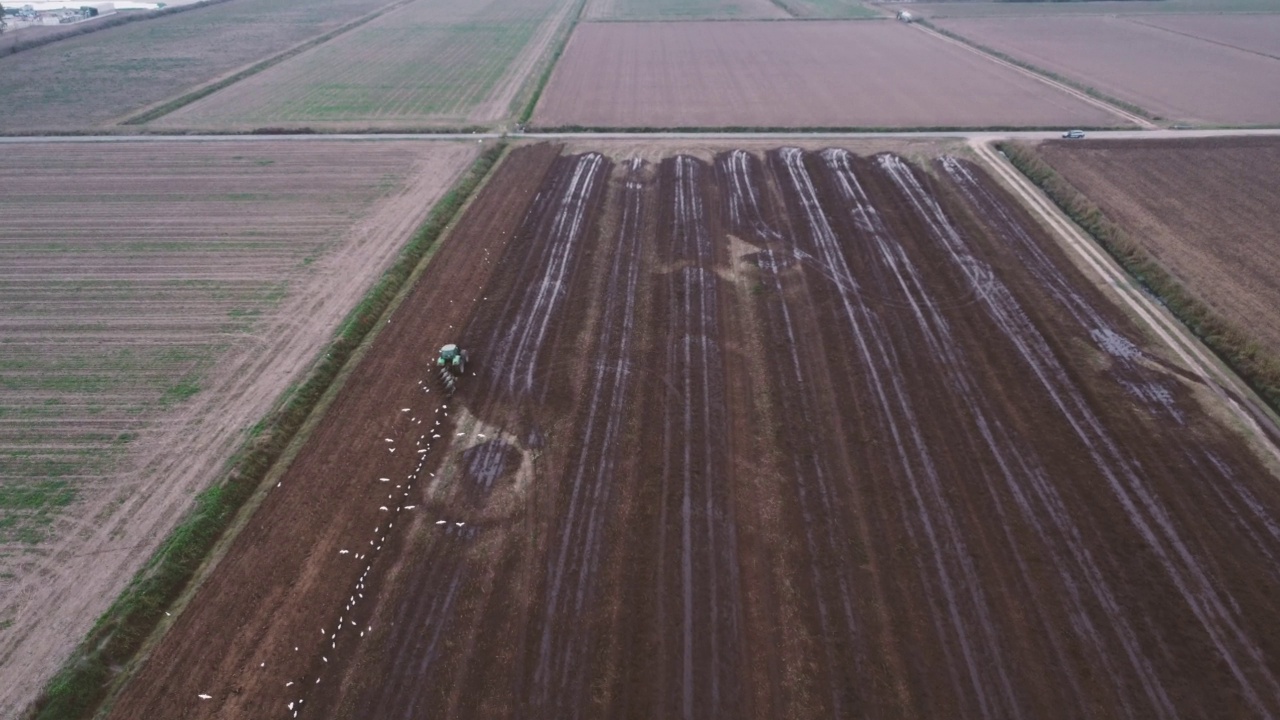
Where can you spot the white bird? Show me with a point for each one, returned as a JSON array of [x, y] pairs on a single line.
[[344, 552], [440, 522], [459, 524], [202, 696]]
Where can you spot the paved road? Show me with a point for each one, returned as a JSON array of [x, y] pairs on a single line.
[[980, 136]]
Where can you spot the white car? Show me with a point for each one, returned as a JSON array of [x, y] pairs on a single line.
[[1073, 134]]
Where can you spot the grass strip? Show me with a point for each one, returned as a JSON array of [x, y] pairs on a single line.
[[105, 24], [78, 689], [1259, 368], [147, 116], [561, 42], [1086, 89]]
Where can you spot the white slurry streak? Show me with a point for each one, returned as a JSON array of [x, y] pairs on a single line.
[[1015, 463], [887, 388], [747, 215], [515, 358], [1124, 477], [559, 676]]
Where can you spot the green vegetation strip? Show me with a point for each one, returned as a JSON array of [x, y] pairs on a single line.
[[147, 116], [1258, 368], [81, 685], [560, 44], [1086, 89]]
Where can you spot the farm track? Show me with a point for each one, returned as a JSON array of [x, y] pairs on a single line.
[[801, 434]]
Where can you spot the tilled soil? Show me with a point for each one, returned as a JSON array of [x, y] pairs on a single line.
[[793, 434]]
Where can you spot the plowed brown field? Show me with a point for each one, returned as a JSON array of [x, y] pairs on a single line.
[[799, 434], [1204, 208], [804, 74]]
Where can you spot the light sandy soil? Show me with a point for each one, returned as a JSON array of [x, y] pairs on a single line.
[[1173, 76], [803, 74], [345, 207]]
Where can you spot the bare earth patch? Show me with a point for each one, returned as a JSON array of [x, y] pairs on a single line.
[[774, 74], [1173, 76], [155, 301]]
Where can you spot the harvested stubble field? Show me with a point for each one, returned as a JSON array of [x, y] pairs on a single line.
[[782, 74], [1172, 76], [1205, 209], [156, 299], [432, 62], [787, 434], [94, 79]]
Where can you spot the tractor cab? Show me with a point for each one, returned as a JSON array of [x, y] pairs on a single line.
[[452, 365]]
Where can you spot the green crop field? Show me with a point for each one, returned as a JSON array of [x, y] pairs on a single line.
[[94, 79], [429, 63]]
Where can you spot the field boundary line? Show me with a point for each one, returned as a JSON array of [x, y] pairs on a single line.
[[1105, 103], [165, 107], [1171, 331], [104, 661], [1211, 41]]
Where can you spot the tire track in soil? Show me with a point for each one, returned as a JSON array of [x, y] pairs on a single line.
[[257, 615], [436, 603], [699, 611], [818, 466], [560, 672], [1122, 473], [889, 362]]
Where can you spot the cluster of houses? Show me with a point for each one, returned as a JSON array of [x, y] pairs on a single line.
[[45, 13]]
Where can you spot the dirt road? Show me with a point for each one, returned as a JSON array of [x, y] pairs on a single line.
[[800, 434]]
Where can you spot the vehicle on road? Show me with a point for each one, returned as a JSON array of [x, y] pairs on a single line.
[[1073, 135]]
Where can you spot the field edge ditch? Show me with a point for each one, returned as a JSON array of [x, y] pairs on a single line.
[[79, 688]]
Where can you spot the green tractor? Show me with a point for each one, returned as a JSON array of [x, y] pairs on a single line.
[[452, 364]]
